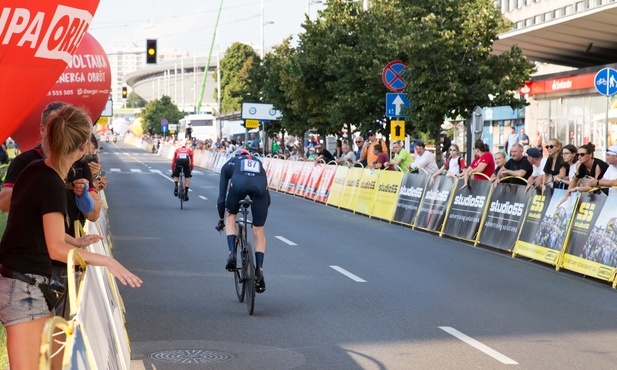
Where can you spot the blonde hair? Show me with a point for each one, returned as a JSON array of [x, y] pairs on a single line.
[[68, 128]]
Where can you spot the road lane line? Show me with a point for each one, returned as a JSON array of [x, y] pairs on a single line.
[[353, 277], [135, 170], [284, 240], [115, 170], [480, 346], [201, 196]]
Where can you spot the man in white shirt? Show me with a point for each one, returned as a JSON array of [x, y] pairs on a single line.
[[610, 176], [348, 157], [424, 159], [534, 156]]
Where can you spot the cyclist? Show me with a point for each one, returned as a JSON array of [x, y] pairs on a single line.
[[183, 160], [245, 176]]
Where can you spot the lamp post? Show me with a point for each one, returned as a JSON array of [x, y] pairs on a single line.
[[308, 6]]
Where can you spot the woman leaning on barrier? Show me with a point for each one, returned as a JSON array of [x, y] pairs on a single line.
[[35, 235]]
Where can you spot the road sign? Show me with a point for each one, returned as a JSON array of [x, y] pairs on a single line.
[[392, 76], [251, 123], [606, 81], [397, 130], [164, 122], [395, 104], [260, 111]]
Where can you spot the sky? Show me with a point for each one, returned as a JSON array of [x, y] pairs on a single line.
[[190, 24]]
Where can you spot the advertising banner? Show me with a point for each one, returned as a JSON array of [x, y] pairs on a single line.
[[366, 192], [591, 248], [410, 197], [468, 207], [338, 186], [314, 180], [326, 181], [284, 172], [504, 217], [305, 174], [544, 230], [291, 178], [277, 172], [387, 193], [434, 204], [351, 188]]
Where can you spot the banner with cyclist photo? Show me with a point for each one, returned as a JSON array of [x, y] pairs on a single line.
[[544, 230], [387, 193], [284, 173], [508, 204], [277, 172], [366, 192], [434, 204], [326, 181], [338, 186], [351, 188], [291, 177], [468, 207], [592, 243], [305, 174], [313, 182], [410, 197]]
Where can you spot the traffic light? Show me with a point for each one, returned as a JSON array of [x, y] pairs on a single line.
[[125, 92], [151, 51]]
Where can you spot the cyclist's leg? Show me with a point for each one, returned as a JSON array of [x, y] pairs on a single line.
[[175, 175], [187, 181], [232, 208], [261, 201]]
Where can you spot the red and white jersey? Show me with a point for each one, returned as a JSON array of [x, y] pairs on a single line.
[[182, 154]]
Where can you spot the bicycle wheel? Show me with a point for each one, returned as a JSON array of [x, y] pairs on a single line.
[[249, 283], [181, 191], [238, 274]]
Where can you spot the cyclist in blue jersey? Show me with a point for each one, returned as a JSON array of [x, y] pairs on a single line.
[[245, 175]]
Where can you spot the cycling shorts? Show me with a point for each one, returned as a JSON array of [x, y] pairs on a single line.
[[184, 166], [260, 198]]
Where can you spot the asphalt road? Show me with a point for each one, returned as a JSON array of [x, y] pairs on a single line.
[[343, 291]]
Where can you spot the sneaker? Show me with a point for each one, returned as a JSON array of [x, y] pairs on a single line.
[[260, 282], [176, 191], [231, 262]]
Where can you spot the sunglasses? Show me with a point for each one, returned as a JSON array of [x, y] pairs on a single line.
[[358, 142], [581, 154], [549, 146]]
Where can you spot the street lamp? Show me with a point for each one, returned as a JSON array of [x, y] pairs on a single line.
[[308, 6], [263, 23]]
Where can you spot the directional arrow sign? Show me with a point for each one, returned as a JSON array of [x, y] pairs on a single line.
[[395, 104], [397, 130]]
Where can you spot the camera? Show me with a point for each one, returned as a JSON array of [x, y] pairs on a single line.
[[91, 158]]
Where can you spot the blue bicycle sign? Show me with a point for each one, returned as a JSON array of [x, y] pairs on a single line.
[[606, 81]]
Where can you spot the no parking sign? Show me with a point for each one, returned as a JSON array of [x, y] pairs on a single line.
[[392, 76]]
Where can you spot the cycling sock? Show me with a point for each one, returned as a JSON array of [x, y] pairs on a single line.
[[259, 259], [186, 189], [175, 184], [231, 242]]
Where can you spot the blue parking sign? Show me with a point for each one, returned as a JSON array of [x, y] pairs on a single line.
[[606, 81]]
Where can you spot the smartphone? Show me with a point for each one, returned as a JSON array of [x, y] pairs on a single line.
[[102, 173], [91, 158]]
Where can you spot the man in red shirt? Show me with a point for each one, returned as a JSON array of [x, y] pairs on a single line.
[[183, 160]]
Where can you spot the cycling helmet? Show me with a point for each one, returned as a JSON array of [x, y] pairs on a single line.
[[240, 152]]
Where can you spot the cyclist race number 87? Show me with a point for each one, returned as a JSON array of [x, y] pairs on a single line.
[[250, 165]]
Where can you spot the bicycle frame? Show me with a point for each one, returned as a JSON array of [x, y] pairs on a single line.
[[244, 276]]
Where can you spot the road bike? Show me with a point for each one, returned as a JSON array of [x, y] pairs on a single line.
[[181, 187], [244, 276]]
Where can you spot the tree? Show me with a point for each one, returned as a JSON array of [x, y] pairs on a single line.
[[239, 59], [135, 101], [156, 110], [451, 69]]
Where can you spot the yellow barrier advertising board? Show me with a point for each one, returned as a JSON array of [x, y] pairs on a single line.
[[351, 188], [366, 192], [387, 192], [338, 186]]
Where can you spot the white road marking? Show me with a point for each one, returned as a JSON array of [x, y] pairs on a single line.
[[135, 170], [284, 240], [348, 274], [477, 345], [155, 171], [201, 196], [115, 170]]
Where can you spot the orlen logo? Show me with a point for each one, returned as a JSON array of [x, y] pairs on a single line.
[[61, 39], [560, 85]]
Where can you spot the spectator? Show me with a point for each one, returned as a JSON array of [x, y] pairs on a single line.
[[454, 166], [323, 154], [568, 168], [482, 166], [554, 162], [511, 139], [537, 140], [359, 141], [338, 151], [4, 156], [402, 157], [368, 154], [590, 170], [188, 134], [610, 176], [348, 156], [500, 160], [381, 160], [253, 144], [534, 156], [445, 143], [312, 156], [517, 169], [424, 159], [239, 142], [35, 236], [524, 139]]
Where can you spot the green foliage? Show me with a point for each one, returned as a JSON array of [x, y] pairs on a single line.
[[135, 101], [236, 67], [156, 110]]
